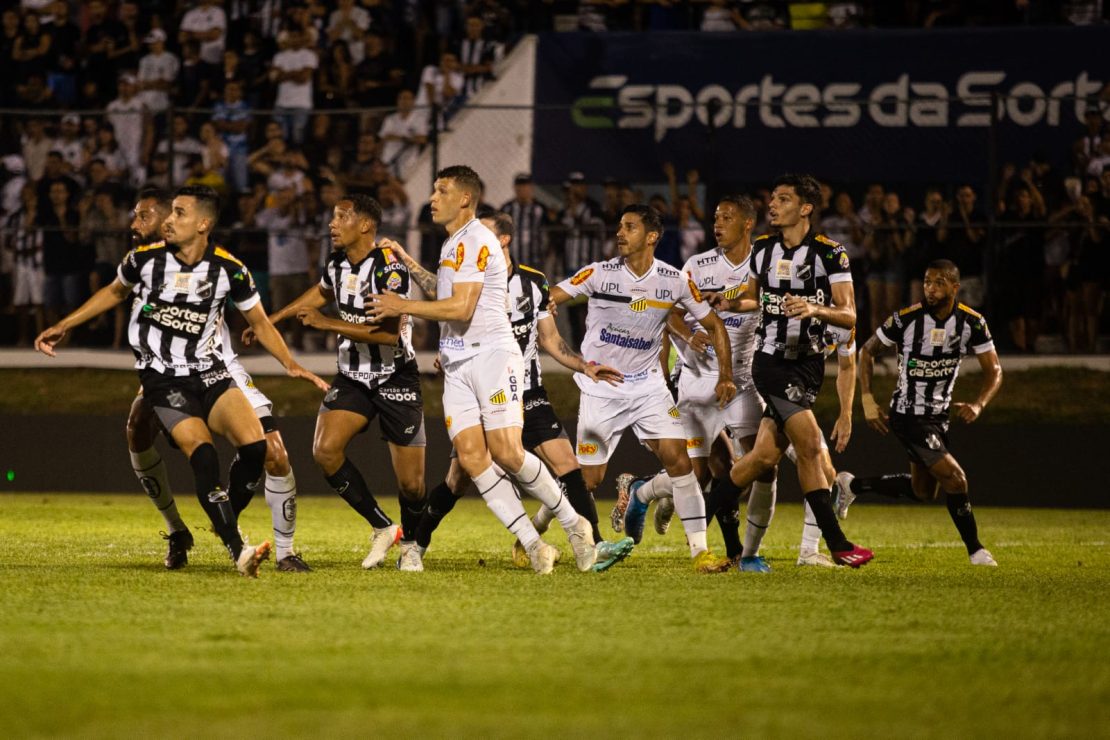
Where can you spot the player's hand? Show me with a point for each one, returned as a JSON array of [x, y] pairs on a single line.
[[296, 371], [700, 342], [438, 365], [842, 432], [311, 317], [45, 342], [716, 300], [387, 243], [967, 412], [553, 308], [726, 391], [875, 416], [248, 337], [598, 373], [385, 306], [797, 307]]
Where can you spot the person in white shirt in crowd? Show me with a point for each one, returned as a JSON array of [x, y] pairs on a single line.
[[292, 69], [70, 145], [287, 253], [403, 133], [439, 85], [131, 123], [349, 23], [184, 146], [157, 72], [207, 25], [35, 145]]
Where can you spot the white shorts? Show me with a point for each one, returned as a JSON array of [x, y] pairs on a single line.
[[262, 405], [703, 421], [484, 390], [602, 421], [27, 288]]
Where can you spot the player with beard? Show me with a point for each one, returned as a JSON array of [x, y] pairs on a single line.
[[182, 285], [930, 340], [142, 427]]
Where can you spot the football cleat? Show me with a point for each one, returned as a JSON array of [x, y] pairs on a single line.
[[412, 557], [543, 557], [853, 558], [380, 542], [292, 564], [616, 516], [251, 558], [581, 538], [707, 562], [611, 553], [635, 513], [520, 556], [664, 510], [754, 564], [982, 556], [818, 559], [177, 552], [844, 495]]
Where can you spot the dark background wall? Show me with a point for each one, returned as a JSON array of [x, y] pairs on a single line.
[[1007, 465]]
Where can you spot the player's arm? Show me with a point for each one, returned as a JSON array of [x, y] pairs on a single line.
[[872, 412], [103, 300], [426, 280], [846, 392], [270, 338], [748, 300], [315, 297], [676, 327], [992, 381], [726, 389], [554, 344], [459, 307], [386, 332], [841, 313]]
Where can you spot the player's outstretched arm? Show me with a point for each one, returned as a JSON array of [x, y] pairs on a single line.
[[103, 300], [459, 307], [992, 381], [872, 412], [748, 300], [554, 344], [846, 392], [698, 341], [270, 339], [315, 297], [726, 389], [386, 332], [426, 280]]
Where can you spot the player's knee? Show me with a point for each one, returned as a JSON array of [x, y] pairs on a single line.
[[253, 455], [510, 460], [808, 446], [954, 481], [327, 454], [139, 429], [411, 486]]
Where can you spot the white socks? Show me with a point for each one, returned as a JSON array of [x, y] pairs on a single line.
[[151, 472], [690, 507], [811, 533], [661, 486], [761, 507], [542, 519], [281, 497], [536, 480], [496, 490]]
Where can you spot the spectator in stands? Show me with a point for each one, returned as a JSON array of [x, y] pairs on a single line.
[[966, 241], [24, 242], [886, 245], [206, 25], [104, 227], [1015, 287], [184, 146], [359, 173], [335, 79], [248, 240], [54, 171], [35, 145], [478, 55], [292, 69], [131, 125], [124, 47], [10, 29], [1087, 145], [529, 218], [158, 172], [723, 16], [215, 152], [378, 76], [194, 79], [396, 212], [31, 52], [65, 262], [70, 146], [328, 194], [232, 120], [440, 86], [252, 68], [349, 23], [287, 256], [688, 214], [762, 15], [97, 68], [157, 74], [403, 134], [64, 55]]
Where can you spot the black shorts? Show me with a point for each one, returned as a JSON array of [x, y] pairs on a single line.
[[540, 423], [924, 437], [398, 404], [787, 387], [177, 398]]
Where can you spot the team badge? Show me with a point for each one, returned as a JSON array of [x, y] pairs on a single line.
[[639, 305], [587, 448], [933, 441], [844, 260], [483, 259], [447, 422], [176, 399], [289, 509], [674, 412], [805, 272], [937, 337], [393, 282], [524, 304], [332, 394], [784, 269], [582, 276], [795, 393], [499, 398], [734, 292], [151, 486], [204, 289]]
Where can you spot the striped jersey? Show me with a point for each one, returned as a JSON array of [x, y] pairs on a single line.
[[178, 313], [352, 285], [528, 236], [808, 270], [473, 255], [625, 321], [929, 354], [528, 297], [711, 271]]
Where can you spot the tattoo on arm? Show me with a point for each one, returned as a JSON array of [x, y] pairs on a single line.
[[875, 347], [566, 351], [423, 278]]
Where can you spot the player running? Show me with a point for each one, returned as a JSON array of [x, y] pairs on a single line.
[[630, 299], [930, 339], [484, 370], [174, 327]]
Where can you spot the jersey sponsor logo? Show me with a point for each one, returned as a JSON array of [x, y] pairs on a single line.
[[353, 318], [613, 288], [826, 240], [694, 291], [844, 260], [535, 403], [452, 343], [937, 337], [587, 448], [784, 269], [393, 282], [522, 328], [582, 276], [483, 258], [399, 394], [695, 442], [499, 398], [178, 320], [703, 261], [616, 337], [938, 368], [734, 322], [772, 302], [610, 266], [388, 256], [212, 377], [183, 283], [673, 412], [350, 283], [455, 264]]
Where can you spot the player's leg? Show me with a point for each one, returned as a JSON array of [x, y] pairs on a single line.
[[402, 425], [809, 552], [953, 481], [925, 486], [232, 416], [150, 469], [441, 500], [726, 512], [281, 499]]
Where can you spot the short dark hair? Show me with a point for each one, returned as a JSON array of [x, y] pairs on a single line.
[[208, 200], [502, 222], [948, 267], [806, 186], [650, 216], [465, 177], [366, 205], [743, 204]]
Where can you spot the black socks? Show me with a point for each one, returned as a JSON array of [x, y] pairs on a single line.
[[440, 502], [349, 484], [411, 512], [246, 472], [213, 499], [574, 485], [820, 501], [959, 508]]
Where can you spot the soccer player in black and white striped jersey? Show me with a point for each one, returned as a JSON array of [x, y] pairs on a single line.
[[378, 376], [930, 339], [800, 280], [182, 287]]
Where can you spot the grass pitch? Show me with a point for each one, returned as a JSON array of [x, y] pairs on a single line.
[[98, 640]]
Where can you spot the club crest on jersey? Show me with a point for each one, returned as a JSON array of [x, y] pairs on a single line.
[[784, 269], [204, 288], [176, 399], [393, 282], [673, 412], [524, 304], [587, 448], [483, 259], [639, 305], [582, 276], [804, 272], [734, 292], [499, 398]]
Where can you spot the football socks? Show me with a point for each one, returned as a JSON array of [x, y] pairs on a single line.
[[820, 501], [959, 508], [206, 471], [440, 502], [150, 469], [761, 508], [535, 479], [281, 497], [351, 486], [501, 498], [690, 507]]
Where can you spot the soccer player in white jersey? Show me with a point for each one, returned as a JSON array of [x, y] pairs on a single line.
[[931, 338], [378, 376], [151, 209], [484, 371], [174, 330], [630, 299]]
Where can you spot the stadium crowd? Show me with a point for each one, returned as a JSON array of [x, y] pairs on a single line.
[[350, 86]]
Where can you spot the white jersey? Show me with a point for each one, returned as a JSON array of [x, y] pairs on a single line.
[[711, 271], [473, 255], [626, 318]]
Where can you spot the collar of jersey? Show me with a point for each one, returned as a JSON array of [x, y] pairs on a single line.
[[635, 277], [461, 229], [730, 263]]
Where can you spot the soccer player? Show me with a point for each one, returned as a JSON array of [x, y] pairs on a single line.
[[142, 427], [543, 434], [800, 281], [630, 298], [378, 376], [484, 370], [182, 286], [930, 339]]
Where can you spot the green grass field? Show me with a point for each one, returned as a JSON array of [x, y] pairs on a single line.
[[98, 640]]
